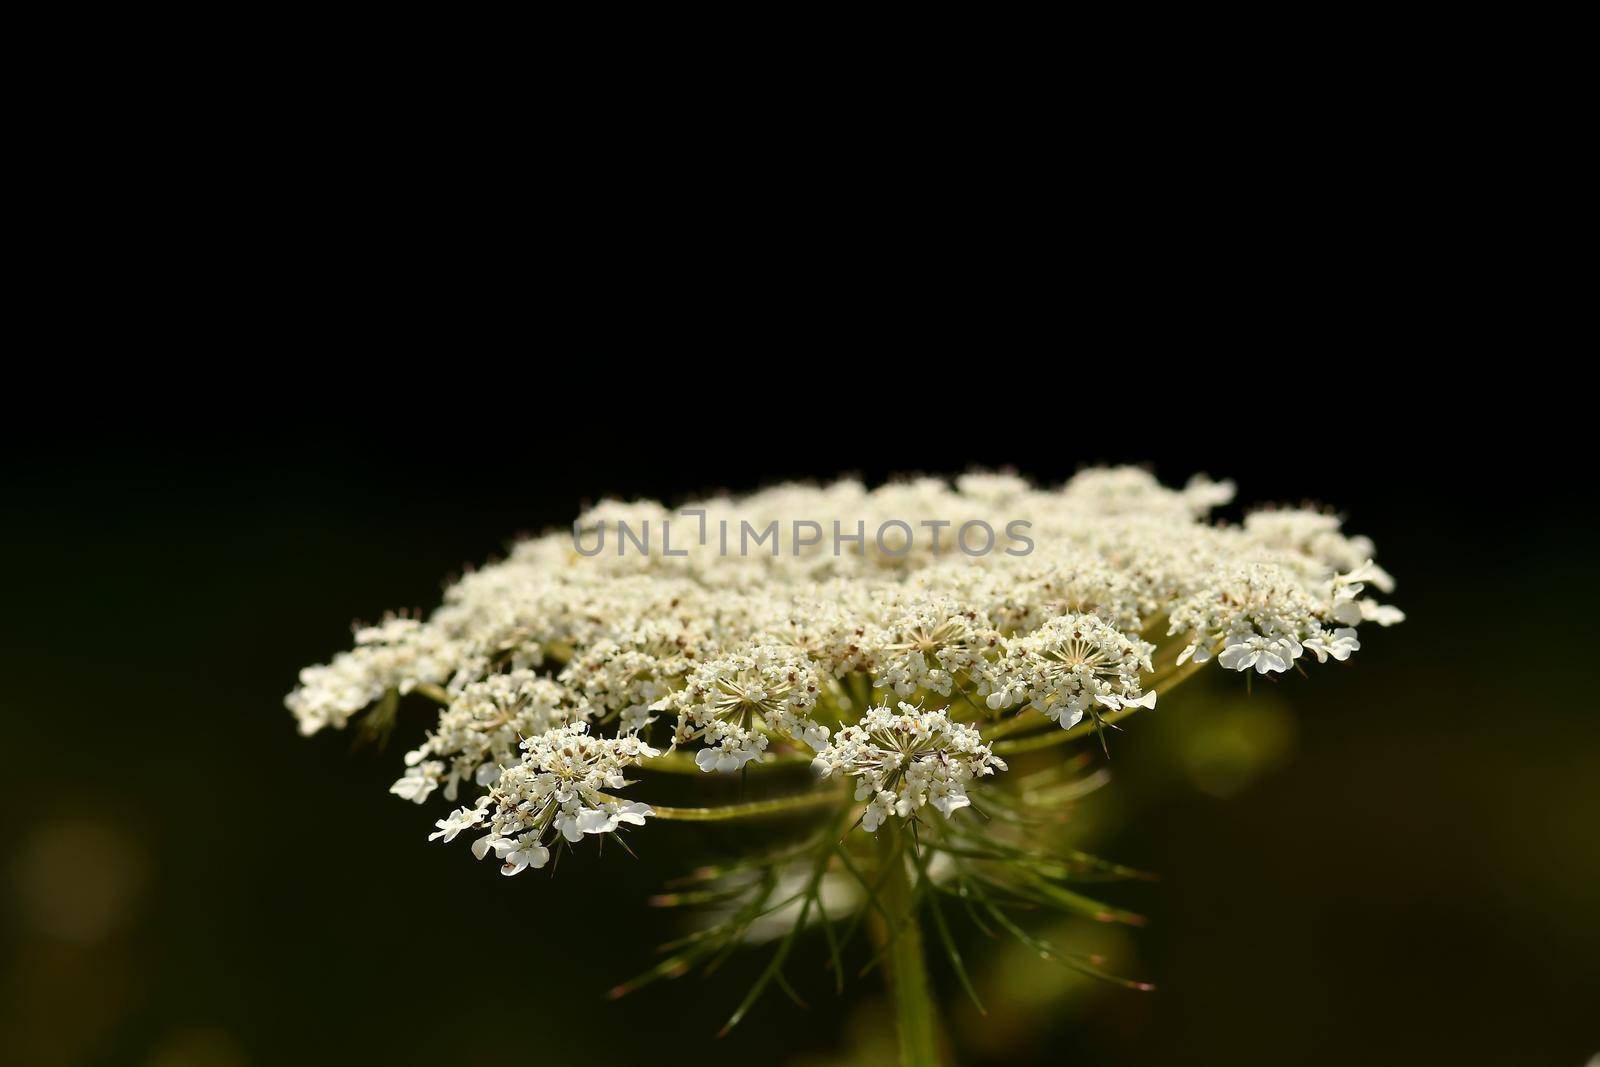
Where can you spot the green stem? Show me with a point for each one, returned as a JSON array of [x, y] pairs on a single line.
[[753, 809], [682, 762], [908, 965]]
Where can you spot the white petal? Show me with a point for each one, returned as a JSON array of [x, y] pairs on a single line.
[[1382, 614], [1238, 657], [634, 813], [595, 821]]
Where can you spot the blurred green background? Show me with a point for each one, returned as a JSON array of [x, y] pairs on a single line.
[[1395, 862]]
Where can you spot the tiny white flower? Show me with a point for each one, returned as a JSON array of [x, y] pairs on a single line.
[[418, 781], [1068, 713], [596, 821], [569, 821], [633, 813], [815, 735], [500, 845], [881, 808], [1338, 645], [1241, 653], [1346, 609], [528, 853], [1369, 572], [1266, 655], [1382, 614], [455, 822], [947, 796]]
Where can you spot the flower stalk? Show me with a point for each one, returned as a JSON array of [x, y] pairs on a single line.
[[749, 810], [907, 961]]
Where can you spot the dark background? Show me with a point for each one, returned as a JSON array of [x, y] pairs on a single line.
[[1405, 871]]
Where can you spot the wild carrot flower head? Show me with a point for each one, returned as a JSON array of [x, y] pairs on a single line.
[[734, 635]]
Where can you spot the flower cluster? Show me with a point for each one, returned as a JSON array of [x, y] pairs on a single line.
[[931, 641], [903, 761], [397, 654], [1067, 665], [557, 667], [556, 792], [480, 732], [730, 703]]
